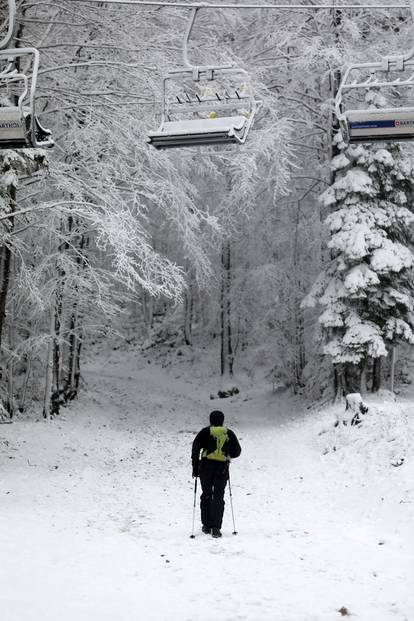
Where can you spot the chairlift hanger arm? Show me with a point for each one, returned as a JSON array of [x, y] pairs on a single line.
[[400, 61], [187, 37], [25, 51], [11, 24], [373, 82]]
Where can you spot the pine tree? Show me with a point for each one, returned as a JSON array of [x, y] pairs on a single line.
[[366, 289]]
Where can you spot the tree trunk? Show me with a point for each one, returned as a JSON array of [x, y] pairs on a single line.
[[47, 403], [347, 379], [189, 304], [392, 369], [5, 263], [376, 374], [227, 355], [335, 81], [4, 286], [77, 366], [299, 348], [10, 404], [363, 377], [188, 314], [339, 381], [148, 309], [57, 353], [298, 327], [23, 391], [353, 378], [71, 383]]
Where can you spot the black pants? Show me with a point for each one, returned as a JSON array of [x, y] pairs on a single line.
[[213, 479]]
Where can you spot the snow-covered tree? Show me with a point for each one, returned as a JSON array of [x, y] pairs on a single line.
[[140, 230], [366, 289]]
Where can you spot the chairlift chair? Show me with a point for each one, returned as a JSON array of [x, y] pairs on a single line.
[[389, 125], [223, 116], [362, 124], [19, 125], [204, 105]]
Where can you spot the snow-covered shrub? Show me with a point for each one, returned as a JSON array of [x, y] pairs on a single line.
[[355, 408], [384, 441]]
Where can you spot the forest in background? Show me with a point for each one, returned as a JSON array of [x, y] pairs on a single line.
[[239, 248]]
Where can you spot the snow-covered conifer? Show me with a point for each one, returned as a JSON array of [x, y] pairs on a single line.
[[366, 289]]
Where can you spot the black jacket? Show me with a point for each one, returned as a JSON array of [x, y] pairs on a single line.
[[203, 440]]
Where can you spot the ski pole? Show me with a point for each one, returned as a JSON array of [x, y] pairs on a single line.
[[231, 505], [192, 536]]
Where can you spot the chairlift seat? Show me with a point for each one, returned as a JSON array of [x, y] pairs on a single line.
[[198, 132], [15, 129], [391, 125], [14, 125]]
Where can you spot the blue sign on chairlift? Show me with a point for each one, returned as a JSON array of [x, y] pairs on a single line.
[[374, 124]]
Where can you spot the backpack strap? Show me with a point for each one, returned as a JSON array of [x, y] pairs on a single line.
[[219, 437]]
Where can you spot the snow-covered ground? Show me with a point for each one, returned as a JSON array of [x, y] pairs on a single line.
[[96, 508]]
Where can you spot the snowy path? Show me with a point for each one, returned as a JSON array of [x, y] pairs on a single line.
[[96, 515]]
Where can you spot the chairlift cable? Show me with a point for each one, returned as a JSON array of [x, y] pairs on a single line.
[[278, 7], [222, 125]]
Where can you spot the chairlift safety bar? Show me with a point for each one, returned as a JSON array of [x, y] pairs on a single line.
[[190, 71], [15, 52], [208, 69], [372, 83]]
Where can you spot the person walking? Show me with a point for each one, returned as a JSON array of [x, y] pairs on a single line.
[[217, 445]]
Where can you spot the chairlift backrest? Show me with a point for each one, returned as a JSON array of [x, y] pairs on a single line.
[[19, 125]]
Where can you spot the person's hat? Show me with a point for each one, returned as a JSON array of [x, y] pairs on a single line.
[[216, 418]]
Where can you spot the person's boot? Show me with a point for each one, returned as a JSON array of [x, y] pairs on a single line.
[[206, 530], [216, 532]]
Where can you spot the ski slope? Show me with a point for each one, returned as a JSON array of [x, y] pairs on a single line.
[[96, 508]]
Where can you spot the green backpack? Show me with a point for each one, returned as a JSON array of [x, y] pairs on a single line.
[[219, 438]]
